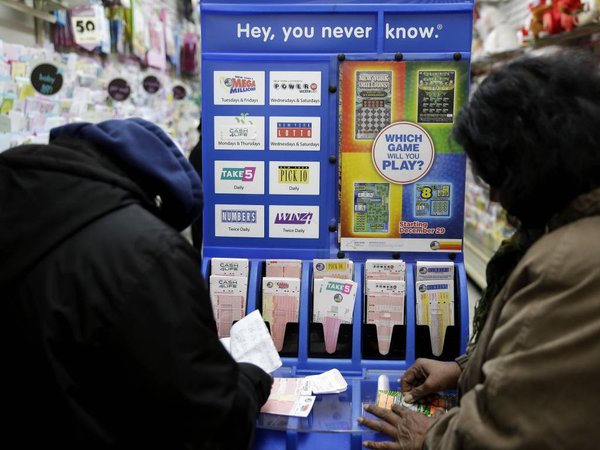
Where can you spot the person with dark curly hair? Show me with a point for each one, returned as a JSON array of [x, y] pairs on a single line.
[[529, 379]]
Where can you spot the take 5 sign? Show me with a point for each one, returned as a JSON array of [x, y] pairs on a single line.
[[239, 177]]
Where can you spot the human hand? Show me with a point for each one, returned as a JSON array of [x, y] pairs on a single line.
[[428, 376], [406, 427]]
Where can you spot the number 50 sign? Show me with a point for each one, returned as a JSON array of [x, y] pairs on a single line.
[[85, 29]]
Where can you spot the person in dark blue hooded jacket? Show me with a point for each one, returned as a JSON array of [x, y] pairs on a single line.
[[108, 339]]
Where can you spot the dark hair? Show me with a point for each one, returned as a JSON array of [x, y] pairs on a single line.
[[532, 132]]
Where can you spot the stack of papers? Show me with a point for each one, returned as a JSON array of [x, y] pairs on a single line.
[[296, 396], [281, 305], [283, 268], [332, 268], [330, 382], [385, 308], [289, 397], [228, 291], [435, 299], [333, 304], [385, 291]]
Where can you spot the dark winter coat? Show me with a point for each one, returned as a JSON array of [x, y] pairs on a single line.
[[106, 329]]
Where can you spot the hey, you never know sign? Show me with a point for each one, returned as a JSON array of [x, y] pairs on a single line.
[[337, 32]]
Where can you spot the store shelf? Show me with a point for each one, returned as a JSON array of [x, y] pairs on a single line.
[[21, 7], [42, 7], [477, 256], [483, 65]]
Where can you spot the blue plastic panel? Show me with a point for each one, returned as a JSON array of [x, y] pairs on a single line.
[[312, 210], [431, 32], [277, 33], [247, 48], [341, 30]]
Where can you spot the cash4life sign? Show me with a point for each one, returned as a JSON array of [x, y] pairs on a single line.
[[402, 152]]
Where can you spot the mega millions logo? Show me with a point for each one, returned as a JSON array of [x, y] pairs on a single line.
[[294, 130], [295, 86], [245, 174], [238, 216], [293, 174], [238, 84], [299, 218]]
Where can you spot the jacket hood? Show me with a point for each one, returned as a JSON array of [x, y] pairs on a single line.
[[151, 158], [48, 192]]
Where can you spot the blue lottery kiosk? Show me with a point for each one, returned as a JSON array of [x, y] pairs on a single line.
[[355, 101]]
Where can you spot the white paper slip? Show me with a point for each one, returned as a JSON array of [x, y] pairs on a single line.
[[287, 268], [383, 383], [251, 343], [226, 341], [330, 382], [281, 305], [385, 308], [385, 269], [231, 267], [434, 270], [435, 308]]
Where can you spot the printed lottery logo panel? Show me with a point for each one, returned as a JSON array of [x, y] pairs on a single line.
[[295, 88], [295, 133], [239, 88], [298, 222], [239, 177], [241, 132], [240, 221], [294, 177]]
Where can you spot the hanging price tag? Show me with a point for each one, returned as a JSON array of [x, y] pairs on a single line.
[[85, 30]]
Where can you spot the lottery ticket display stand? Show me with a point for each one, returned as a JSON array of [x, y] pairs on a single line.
[[326, 135]]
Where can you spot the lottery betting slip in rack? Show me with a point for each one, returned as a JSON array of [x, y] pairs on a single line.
[[281, 304]]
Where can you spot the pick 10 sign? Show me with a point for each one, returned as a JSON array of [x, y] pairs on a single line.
[[403, 152]]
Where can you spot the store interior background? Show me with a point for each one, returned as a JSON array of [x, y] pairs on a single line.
[[502, 31]]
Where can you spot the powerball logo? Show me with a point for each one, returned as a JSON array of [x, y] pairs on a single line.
[[239, 84], [238, 174], [298, 86], [294, 129]]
